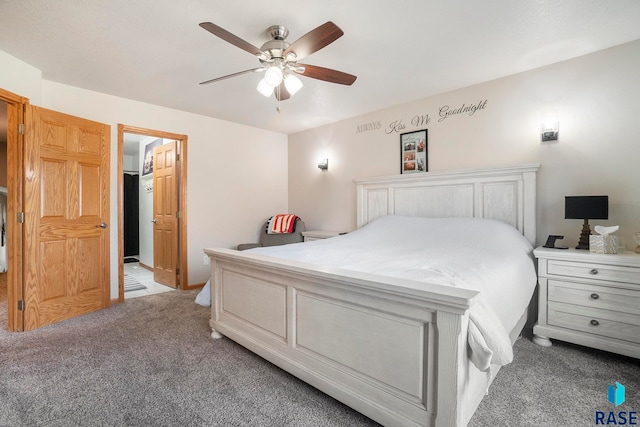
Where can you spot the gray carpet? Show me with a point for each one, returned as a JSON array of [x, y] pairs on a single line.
[[558, 386], [150, 362]]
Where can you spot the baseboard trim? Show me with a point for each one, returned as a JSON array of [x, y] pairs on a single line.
[[184, 288], [146, 266], [195, 286]]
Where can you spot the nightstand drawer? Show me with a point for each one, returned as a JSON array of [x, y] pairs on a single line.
[[595, 296], [594, 321], [597, 271]]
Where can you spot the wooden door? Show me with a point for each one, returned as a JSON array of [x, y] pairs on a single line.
[[66, 217], [165, 215]]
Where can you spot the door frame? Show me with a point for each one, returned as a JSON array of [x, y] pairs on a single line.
[[182, 202], [15, 174]]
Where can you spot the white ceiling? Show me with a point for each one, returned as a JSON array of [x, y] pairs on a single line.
[[154, 51]]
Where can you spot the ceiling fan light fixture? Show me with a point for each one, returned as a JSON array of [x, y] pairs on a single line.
[[292, 83], [273, 76], [264, 88], [279, 58]]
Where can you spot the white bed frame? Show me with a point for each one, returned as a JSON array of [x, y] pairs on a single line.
[[392, 349]]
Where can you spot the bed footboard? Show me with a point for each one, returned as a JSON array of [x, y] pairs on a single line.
[[392, 349]]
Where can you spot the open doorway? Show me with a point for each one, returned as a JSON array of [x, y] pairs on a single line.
[[143, 268], [137, 214]]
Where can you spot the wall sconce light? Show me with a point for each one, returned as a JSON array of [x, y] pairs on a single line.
[[323, 164], [549, 128]]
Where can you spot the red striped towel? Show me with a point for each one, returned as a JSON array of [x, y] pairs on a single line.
[[281, 224]]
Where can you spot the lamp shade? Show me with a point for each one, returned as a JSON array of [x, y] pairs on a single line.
[[292, 83], [273, 76], [264, 88], [586, 207]]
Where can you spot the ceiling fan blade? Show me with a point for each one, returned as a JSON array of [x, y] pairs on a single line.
[[314, 40], [281, 92], [231, 38], [327, 74], [239, 73]]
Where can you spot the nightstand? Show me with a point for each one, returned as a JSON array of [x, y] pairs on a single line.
[[589, 299], [319, 234]]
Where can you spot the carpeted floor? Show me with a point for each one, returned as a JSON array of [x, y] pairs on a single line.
[[558, 386], [150, 362]]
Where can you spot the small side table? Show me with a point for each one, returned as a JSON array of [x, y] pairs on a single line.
[[319, 234], [589, 299]]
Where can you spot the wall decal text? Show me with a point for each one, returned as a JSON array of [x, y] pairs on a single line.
[[419, 121], [366, 127], [396, 126], [422, 120], [445, 111]]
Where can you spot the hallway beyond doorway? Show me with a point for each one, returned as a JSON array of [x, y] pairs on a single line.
[[145, 277]]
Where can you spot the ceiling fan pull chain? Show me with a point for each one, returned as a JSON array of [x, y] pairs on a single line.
[[278, 99]]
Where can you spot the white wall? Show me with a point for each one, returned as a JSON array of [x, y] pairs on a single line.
[[235, 176], [130, 163], [595, 96], [20, 78]]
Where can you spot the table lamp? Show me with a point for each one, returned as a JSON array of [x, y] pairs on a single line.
[[586, 208]]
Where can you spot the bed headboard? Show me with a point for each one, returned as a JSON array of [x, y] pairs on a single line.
[[506, 194]]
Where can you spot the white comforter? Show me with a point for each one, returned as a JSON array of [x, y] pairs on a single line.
[[472, 253]]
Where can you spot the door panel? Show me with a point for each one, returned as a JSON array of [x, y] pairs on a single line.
[[165, 209], [66, 251]]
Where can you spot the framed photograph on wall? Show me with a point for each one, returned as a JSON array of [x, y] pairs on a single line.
[[413, 152], [147, 164]]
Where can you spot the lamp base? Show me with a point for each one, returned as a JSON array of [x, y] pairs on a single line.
[[584, 236]]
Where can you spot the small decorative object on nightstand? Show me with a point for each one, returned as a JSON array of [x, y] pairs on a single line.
[[589, 299], [319, 234], [604, 242]]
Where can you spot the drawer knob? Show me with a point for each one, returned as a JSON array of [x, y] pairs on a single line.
[[595, 296], [593, 271], [594, 322]]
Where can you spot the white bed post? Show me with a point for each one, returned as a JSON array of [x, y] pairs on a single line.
[[216, 295], [529, 202], [452, 340]]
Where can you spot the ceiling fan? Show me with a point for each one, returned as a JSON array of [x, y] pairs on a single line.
[[279, 59]]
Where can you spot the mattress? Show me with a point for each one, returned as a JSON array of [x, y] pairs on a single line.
[[485, 255]]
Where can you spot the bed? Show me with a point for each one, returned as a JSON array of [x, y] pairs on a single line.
[[402, 345]]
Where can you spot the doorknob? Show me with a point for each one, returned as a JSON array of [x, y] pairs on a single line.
[[153, 221], [103, 225]]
